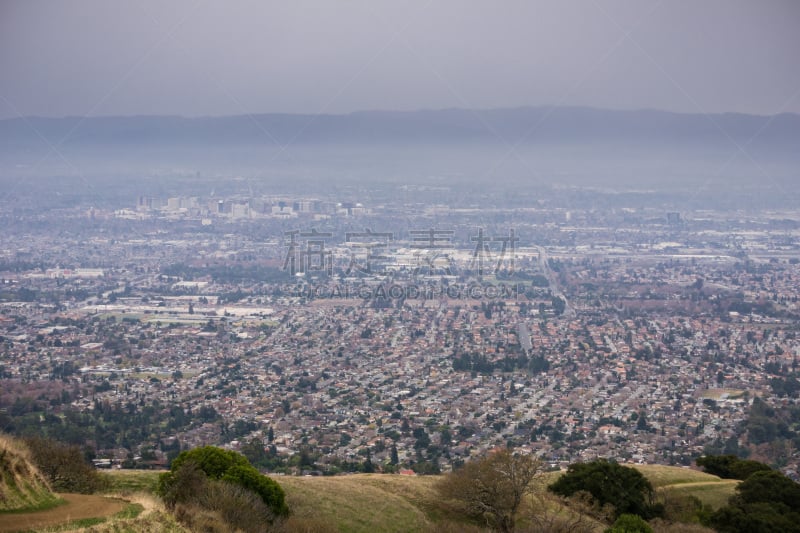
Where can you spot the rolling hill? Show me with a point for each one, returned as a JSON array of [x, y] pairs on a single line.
[[361, 502], [377, 502]]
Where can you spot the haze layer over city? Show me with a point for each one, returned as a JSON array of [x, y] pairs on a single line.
[[402, 236]]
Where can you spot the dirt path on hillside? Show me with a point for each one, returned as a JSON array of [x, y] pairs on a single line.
[[700, 484], [78, 506]]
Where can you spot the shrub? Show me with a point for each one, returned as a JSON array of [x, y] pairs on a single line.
[[212, 460], [183, 485], [765, 501], [730, 466], [610, 483], [191, 469], [64, 466], [630, 523], [270, 492], [239, 507]]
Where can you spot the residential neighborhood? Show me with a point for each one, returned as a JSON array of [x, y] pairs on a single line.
[[647, 343]]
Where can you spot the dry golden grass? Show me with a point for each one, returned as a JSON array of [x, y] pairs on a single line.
[[660, 475], [375, 502], [153, 518], [714, 494], [358, 502], [709, 489]]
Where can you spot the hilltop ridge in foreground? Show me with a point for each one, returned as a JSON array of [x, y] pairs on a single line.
[[395, 503], [360, 502], [22, 486]]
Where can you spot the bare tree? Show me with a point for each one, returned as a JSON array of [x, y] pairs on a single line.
[[492, 488], [65, 466]]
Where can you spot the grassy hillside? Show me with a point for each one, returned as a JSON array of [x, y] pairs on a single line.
[[26, 499], [132, 481], [709, 489], [393, 503], [361, 502], [22, 486], [665, 476], [367, 502], [143, 514]]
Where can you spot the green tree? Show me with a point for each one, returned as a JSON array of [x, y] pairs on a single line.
[[270, 492], [254, 451], [641, 422], [770, 487], [212, 460], [610, 483], [765, 501], [491, 489], [559, 305], [369, 467], [730, 466], [218, 464]]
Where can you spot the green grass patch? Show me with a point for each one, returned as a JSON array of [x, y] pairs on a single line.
[[714, 494], [83, 523], [47, 501], [129, 481], [130, 512]]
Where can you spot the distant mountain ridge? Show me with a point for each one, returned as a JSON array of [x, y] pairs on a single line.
[[507, 125]]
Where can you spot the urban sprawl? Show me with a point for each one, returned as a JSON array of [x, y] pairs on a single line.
[[326, 336]]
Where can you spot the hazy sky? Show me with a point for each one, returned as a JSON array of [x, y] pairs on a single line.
[[101, 57]]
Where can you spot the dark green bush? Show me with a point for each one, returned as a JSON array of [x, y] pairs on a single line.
[[765, 501], [212, 463], [610, 483], [730, 466]]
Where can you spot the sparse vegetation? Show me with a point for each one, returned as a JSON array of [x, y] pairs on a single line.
[[396, 503], [22, 485], [492, 489], [127, 482], [65, 466]]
